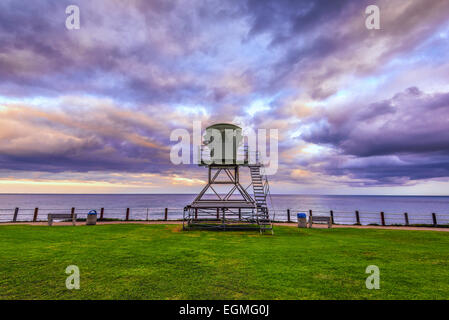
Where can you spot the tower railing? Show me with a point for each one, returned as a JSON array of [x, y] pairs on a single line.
[[244, 156]]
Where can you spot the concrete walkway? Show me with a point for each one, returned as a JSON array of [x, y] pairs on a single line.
[[82, 223], [318, 226], [324, 226]]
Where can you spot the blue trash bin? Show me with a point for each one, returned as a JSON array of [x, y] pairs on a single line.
[[91, 218], [302, 220]]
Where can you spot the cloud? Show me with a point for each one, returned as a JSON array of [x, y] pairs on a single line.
[[409, 122], [95, 136], [345, 99], [404, 137], [325, 44]]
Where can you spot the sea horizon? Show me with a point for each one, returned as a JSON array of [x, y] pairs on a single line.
[[277, 194]]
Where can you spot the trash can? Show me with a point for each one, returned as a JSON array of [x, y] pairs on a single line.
[[302, 220], [91, 218]]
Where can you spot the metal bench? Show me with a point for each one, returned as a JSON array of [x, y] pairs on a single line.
[[52, 216], [313, 219]]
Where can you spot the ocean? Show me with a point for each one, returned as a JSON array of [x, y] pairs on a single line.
[[152, 206]]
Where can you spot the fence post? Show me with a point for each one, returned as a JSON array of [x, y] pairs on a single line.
[[288, 215], [16, 212], [36, 211], [127, 214], [240, 214], [406, 218], [434, 218], [218, 213], [196, 213], [72, 212], [101, 213], [332, 217], [357, 217], [310, 218], [382, 218], [166, 214]]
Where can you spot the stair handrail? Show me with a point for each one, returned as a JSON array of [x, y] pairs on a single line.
[[267, 186]]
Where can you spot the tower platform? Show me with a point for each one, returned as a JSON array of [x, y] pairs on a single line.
[[234, 210]]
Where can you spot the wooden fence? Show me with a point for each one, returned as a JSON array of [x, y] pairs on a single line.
[[125, 214], [378, 218], [356, 217]]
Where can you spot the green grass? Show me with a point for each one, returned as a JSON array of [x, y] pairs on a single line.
[[162, 262]]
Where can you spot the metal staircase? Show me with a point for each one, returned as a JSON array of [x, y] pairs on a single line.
[[261, 191]]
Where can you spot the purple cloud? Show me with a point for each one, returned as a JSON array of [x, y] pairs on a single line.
[[105, 97]]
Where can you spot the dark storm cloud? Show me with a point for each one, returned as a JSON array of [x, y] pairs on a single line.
[[106, 138], [317, 60], [406, 136], [138, 51], [285, 18], [151, 59], [409, 122], [40, 56]]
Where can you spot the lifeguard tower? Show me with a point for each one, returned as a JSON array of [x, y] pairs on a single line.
[[232, 207]]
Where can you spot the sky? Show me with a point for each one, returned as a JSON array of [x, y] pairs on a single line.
[[90, 110]]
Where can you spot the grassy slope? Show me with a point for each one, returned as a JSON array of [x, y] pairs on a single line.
[[162, 262]]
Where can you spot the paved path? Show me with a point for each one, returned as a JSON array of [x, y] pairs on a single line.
[[318, 226], [81, 223], [321, 226]]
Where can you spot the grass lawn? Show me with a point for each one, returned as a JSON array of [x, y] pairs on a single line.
[[162, 262]]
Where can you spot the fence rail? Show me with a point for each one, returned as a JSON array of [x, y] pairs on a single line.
[[356, 217], [40, 214]]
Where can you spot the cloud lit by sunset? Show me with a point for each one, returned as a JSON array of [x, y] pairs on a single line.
[[91, 110]]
